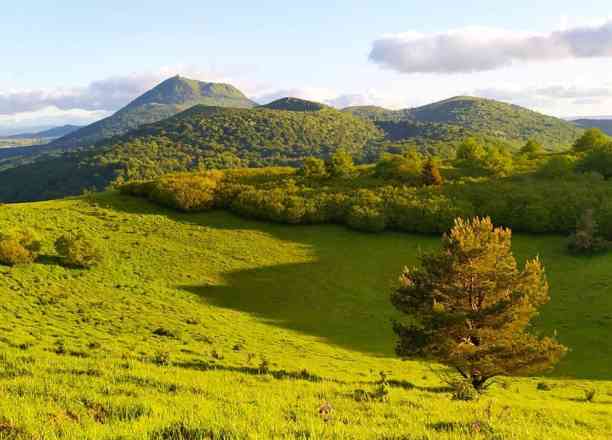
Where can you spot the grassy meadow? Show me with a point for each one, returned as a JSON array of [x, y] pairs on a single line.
[[200, 326]]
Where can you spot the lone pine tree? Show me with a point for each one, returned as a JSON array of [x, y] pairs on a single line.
[[468, 306]]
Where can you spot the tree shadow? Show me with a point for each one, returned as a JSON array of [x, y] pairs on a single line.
[[305, 298], [49, 260]]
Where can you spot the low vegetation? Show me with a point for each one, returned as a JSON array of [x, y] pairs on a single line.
[[199, 325], [76, 250]]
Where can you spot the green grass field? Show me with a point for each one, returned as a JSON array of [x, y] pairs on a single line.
[[200, 326]]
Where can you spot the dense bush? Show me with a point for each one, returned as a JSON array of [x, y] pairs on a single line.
[[591, 139], [367, 202], [407, 168], [597, 160], [587, 238], [557, 167], [341, 164], [314, 168], [18, 247], [76, 250]]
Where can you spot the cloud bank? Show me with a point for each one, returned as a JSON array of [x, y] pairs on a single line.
[[483, 49], [103, 95]]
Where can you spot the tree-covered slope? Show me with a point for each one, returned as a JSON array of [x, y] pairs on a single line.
[[167, 99], [212, 137], [465, 116], [604, 125]]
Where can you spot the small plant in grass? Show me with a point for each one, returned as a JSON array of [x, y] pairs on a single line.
[[250, 358], [382, 391], [361, 396], [264, 366], [463, 390], [76, 250], [217, 355], [589, 395], [543, 386], [162, 358], [18, 247]]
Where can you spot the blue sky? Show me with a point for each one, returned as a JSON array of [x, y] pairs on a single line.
[[348, 52]]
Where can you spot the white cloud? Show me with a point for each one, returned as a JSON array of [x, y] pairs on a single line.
[[50, 116], [482, 49], [107, 94]]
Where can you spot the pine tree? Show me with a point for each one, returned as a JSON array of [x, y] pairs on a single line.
[[431, 174], [468, 307]]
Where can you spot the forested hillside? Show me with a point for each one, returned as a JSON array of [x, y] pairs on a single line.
[[201, 137], [283, 132]]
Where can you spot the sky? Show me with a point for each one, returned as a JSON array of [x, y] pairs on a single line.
[[66, 61]]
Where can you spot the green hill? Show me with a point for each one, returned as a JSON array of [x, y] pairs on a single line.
[[211, 137], [466, 116], [604, 125], [167, 99], [201, 326], [295, 105]]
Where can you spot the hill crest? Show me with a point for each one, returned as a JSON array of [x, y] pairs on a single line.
[[295, 105]]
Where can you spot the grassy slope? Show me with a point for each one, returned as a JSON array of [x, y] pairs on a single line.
[[312, 298]]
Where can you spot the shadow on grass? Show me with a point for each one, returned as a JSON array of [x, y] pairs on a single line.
[[310, 298], [49, 260]]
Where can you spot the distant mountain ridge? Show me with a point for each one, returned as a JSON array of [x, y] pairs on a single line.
[[170, 97], [604, 125], [51, 133]]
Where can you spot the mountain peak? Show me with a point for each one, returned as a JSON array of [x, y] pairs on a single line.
[[182, 91], [168, 98]]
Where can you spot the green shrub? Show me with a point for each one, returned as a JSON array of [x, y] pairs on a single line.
[[597, 160], [463, 390], [589, 395], [557, 167], [341, 164], [76, 250], [587, 239], [314, 168], [19, 247], [591, 139], [406, 168]]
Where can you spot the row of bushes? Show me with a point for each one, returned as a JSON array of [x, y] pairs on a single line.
[[22, 246], [525, 204]]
